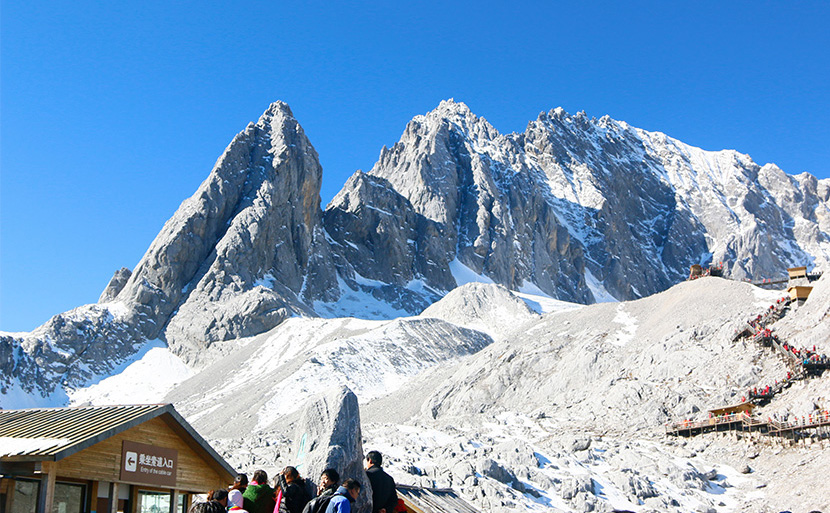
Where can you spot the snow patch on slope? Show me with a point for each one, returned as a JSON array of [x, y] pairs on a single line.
[[601, 295], [358, 303], [629, 327], [540, 302], [144, 380], [464, 275]]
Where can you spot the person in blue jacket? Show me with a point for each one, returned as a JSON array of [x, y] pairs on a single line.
[[343, 498]]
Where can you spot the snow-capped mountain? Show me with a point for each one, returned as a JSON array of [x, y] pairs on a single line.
[[583, 209], [577, 209]]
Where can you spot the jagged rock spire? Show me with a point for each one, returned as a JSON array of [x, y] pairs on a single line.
[[247, 249]]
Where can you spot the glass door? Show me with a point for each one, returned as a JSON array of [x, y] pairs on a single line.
[[153, 502]]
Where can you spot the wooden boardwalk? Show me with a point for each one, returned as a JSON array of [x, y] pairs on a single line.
[[784, 279], [743, 422], [802, 364], [821, 419], [733, 422]]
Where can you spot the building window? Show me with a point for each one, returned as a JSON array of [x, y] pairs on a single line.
[[69, 498], [25, 496]]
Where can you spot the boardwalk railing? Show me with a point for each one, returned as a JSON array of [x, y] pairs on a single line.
[[807, 421], [709, 424], [801, 363]]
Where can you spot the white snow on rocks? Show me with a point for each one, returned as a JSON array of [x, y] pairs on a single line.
[[629, 326], [147, 379], [489, 308], [464, 274], [518, 411]]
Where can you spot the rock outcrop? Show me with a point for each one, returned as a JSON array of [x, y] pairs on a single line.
[[328, 436], [583, 209], [116, 285], [247, 250]]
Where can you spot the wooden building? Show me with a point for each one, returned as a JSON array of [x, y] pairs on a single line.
[[104, 459], [744, 407], [695, 271], [797, 272], [799, 293], [432, 500]]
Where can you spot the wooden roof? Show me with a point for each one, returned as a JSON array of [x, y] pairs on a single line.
[[800, 291], [733, 408], [51, 434], [433, 500], [797, 272]]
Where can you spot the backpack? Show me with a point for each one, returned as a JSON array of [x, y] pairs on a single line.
[[318, 504]]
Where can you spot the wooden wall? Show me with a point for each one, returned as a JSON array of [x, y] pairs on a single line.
[[102, 461]]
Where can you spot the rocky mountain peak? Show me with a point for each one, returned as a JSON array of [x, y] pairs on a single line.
[[243, 253], [450, 116], [279, 118], [580, 209], [277, 109], [450, 108]]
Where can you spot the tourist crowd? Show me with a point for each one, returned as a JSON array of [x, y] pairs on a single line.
[[291, 493]]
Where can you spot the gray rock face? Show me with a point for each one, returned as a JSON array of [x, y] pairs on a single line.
[[116, 285], [613, 201], [581, 209], [572, 203], [328, 436], [66, 351], [458, 202], [377, 234]]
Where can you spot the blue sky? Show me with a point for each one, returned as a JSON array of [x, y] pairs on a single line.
[[114, 112]]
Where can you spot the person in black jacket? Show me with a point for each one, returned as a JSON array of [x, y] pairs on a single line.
[[384, 496], [294, 493], [329, 481]]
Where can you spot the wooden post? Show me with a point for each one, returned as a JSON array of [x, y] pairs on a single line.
[[9, 494], [174, 501], [46, 494], [113, 498], [133, 506], [93, 497]]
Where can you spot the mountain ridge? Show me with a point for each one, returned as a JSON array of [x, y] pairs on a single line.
[[578, 209]]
